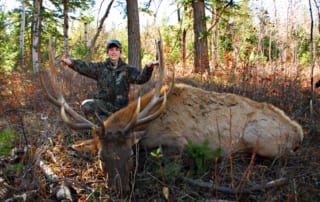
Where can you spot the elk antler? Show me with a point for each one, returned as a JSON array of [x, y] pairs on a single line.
[[80, 122], [144, 116]]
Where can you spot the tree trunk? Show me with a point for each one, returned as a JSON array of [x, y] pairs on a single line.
[[270, 46], [66, 26], [216, 35], [86, 38], [183, 44], [317, 4], [312, 61], [22, 29], [36, 35], [261, 30], [201, 62], [134, 44], [275, 27]]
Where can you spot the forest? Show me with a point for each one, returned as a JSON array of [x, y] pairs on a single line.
[[262, 52]]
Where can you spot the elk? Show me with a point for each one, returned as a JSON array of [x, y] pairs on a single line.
[[174, 115]]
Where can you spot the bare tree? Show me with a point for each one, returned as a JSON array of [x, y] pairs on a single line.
[[134, 44], [183, 44], [317, 4], [95, 37], [217, 11], [215, 19], [22, 29], [86, 38], [36, 36], [262, 22], [66, 26], [276, 23], [312, 60]]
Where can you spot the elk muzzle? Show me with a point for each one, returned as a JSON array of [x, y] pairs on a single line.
[[116, 157]]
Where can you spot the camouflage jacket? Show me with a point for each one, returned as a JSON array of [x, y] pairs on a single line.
[[113, 84]]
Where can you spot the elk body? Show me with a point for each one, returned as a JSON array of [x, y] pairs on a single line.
[[228, 121]]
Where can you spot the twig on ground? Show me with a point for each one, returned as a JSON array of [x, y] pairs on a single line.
[[135, 171], [23, 197], [274, 183]]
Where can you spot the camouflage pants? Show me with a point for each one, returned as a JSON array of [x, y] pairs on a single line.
[[95, 107]]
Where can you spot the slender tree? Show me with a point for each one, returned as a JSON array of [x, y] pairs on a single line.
[[86, 38], [66, 26], [22, 30], [183, 44], [134, 44], [215, 21], [317, 4], [312, 60], [201, 61], [218, 9], [36, 36]]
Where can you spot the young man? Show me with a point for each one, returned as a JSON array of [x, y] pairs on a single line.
[[113, 80]]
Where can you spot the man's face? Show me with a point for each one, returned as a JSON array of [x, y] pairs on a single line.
[[114, 53]]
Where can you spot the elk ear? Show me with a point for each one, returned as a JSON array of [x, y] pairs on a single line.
[[90, 146]]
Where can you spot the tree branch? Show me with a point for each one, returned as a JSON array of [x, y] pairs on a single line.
[[94, 39]]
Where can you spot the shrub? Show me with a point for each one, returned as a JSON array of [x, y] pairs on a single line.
[[6, 139], [201, 156]]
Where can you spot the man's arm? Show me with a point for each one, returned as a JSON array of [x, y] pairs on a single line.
[[87, 69], [137, 77]]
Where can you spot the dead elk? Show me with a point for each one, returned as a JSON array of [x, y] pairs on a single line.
[[227, 121], [230, 122]]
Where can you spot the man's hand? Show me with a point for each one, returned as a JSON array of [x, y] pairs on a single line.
[[152, 64], [66, 61]]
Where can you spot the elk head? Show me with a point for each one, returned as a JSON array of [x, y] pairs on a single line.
[[114, 137]]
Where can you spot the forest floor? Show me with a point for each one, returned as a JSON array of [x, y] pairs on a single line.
[[33, 137]]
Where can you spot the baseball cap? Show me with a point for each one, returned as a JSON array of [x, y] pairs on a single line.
[[113, 43]]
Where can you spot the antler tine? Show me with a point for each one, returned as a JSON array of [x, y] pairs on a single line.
[[154, 115], [47, 93], [156, 99], [161, 68], [134, 117], [73, 125], [74, 114]]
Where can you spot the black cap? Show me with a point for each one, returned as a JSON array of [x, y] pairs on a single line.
[[113, 43]]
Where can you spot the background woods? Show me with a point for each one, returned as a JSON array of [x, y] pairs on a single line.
[[265, 50]]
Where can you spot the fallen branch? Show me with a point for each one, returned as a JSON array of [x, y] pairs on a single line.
[[274, 183], [52, 177], [27, 196], [48, 172]]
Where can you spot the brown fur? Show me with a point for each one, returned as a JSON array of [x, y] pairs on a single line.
[[194, 115]]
